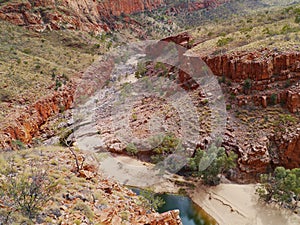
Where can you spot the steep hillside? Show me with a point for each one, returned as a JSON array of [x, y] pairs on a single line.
[[95, 16], [68, 194], [87, 15], [34, 65], [276, 27]]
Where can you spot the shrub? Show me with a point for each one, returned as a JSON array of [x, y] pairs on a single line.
[[273, 99], [228, 107], [27, 191], [222, 79], [281, 186], [297, 19], [163, 146], [140, 70], [161, 69], [224, 41], [82, 207], [131, 149], [247, 84], [18, 144]]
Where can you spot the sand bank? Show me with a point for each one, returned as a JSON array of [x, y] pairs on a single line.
[[233, 204]]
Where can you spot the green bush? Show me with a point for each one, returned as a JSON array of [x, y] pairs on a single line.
[[220, 164], [282, 187], [273, 99], [150, 200], [140, 70], [164, 146], [131, 149], [18, 144], [26, 191], [224, 41], [247, 84]]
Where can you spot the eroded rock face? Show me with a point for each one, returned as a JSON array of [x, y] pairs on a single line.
[[258, 66], [86, 15], [274, 76], [293, 99], [25, 125], [288, 149]]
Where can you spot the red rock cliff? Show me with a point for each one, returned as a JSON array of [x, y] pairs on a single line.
[[87, 15], [258, 65], [25, 125]]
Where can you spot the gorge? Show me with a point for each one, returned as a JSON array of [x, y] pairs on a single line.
[[259, 85]]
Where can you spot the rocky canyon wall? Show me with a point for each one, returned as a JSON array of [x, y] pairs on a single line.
[[271, 73], [257, 66], [87, 15], [25, 125]]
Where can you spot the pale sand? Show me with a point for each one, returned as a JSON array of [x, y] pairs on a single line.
[[230, 204], [233, 204], [132, 172]]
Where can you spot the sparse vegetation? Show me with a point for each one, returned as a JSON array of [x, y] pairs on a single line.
[[25, 191], [31, 65], [224, 41]]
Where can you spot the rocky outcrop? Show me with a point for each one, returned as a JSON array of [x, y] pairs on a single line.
[[24, 125], [288, 149], [293, 99], [255, 154], [274, 76], [258, 66], [87, 15], [167, 218]]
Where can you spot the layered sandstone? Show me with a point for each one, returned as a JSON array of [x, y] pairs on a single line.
[[293, 99], [258, 66], [273, 75]]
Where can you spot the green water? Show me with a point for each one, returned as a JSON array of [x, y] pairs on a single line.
[[190, 213]]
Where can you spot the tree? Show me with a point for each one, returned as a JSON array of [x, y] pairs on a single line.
[[221, 163], [282, 187], [151, 199]]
